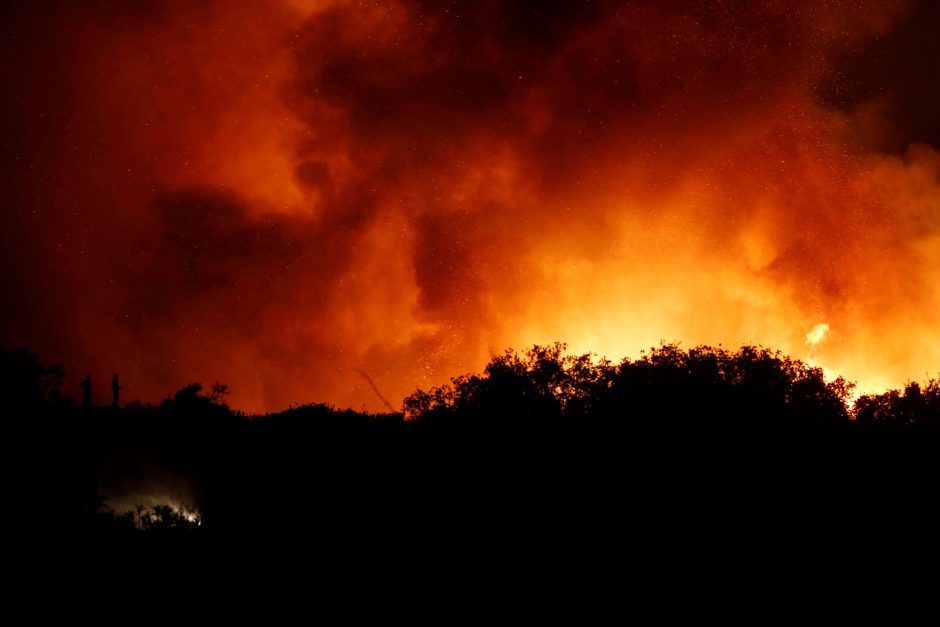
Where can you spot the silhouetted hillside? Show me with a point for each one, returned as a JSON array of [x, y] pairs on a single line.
[[539, 443]]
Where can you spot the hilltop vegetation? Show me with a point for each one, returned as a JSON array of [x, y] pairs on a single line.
[[538, 431]]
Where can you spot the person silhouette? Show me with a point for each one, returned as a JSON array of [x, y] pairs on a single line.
[[86, 388], [115, 390]]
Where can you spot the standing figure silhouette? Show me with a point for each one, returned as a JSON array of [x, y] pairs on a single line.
[[86, 388], [115, 390]]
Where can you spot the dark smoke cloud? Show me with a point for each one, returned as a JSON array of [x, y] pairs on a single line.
[[900, 74]]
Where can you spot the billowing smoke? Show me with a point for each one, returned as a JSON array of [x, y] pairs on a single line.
[[283, 195]]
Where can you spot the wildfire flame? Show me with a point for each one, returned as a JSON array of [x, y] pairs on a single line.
[[817, 334]]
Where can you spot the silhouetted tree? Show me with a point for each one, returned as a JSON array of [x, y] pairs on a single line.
[[667, 389], [917, 407], [218, 393]]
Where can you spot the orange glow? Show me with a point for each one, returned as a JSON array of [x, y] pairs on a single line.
[[280, 195]]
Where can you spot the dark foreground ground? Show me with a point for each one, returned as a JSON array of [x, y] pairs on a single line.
[[685, 457]]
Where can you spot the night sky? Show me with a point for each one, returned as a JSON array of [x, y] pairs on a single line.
[[283, 195]]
